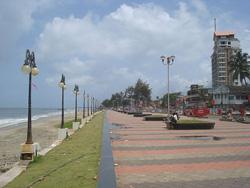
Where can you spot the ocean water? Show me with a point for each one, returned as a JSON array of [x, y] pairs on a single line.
[[15, 116]]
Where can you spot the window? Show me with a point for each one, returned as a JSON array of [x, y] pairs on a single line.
[[231, 97], [221, 60], [244, 98], [237, 97], [222, 74], [223, 42], [229, 43], [222, 78], [222, 69]]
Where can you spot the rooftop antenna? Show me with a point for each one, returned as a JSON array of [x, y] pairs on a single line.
[[214, 24]]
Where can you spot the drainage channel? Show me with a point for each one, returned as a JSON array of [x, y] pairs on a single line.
[[107, 176]]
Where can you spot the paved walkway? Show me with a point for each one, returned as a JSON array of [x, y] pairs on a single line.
[[149, 156]]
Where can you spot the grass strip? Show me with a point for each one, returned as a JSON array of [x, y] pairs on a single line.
[[74, 163], [68, 124], [188, 121]]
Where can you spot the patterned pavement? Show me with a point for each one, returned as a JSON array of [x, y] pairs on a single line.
[[147, 155]]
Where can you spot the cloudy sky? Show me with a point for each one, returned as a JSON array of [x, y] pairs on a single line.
[[106, 45]]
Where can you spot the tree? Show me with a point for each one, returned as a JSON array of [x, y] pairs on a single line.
[[129, 92], [239, 67], [139, 92], [142, 91], [172, 99], [107, 103]]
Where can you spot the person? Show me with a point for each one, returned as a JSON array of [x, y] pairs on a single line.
[[229, 115], [242, 113], [173, 120], [176, 116]]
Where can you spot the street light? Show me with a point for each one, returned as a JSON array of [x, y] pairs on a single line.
[[93, 100], [83, 113], [88, 103], [63, 86], [91, 103], [168, 61], [29, 67], [76, 92]]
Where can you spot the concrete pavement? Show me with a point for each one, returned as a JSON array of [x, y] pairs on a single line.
[[149, 156]]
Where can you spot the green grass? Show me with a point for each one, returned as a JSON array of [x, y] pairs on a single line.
[[187, 121], [157, 117], [68, 124], [74, 163]]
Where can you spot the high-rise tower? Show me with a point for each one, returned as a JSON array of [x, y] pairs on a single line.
[[225, 45]]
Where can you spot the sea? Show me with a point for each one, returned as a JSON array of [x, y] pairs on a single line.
[[16, 116]]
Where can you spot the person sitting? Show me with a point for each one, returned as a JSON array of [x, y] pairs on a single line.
[[176, 116]]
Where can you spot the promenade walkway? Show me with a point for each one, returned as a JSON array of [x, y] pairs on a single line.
[[146, 155]]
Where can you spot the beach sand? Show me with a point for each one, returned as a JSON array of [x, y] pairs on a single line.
[[44, 131]]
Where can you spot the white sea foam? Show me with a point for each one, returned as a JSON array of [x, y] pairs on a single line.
[[16, 121]]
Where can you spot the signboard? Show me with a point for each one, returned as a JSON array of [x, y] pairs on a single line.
[[197, 112]]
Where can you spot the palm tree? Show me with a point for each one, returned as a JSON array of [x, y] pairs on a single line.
[[239, 67]]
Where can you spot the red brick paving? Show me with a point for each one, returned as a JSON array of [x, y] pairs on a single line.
[[181, 167], [141, 138], [121, 154]]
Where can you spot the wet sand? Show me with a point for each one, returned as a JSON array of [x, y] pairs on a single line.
[[44, 131]]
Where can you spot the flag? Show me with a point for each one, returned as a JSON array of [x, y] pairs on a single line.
[[34, 85]]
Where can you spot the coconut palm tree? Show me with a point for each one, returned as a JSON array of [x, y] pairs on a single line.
[[239, 67]]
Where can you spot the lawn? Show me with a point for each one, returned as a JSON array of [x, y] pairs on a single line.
[[187, 121], [74, 163], [68, 124], [156, 117]]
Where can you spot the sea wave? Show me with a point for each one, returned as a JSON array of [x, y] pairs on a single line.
[[16, 121]]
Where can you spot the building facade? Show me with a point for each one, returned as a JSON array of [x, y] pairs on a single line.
[[225, 45], [231, 96]]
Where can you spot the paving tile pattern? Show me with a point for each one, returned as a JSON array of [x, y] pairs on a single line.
[[150, 156]]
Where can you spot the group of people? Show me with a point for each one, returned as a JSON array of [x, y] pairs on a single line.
[[229, 114]]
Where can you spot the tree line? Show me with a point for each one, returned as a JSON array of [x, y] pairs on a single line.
[[138, 95]]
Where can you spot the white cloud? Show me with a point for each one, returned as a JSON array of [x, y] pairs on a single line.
[[127, 43], [15, 21]]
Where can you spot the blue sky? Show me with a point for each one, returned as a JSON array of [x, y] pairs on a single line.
[[106, 45]]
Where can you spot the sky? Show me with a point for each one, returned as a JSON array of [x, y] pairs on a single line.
[[104, 46]]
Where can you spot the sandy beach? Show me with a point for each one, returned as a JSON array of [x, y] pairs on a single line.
[[44, 131]]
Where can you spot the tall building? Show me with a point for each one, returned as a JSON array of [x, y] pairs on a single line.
[[225, 45]]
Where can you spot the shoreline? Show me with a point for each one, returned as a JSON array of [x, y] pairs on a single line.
[[44, 131]]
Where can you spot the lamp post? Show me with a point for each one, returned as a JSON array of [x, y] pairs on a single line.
[[83, 112], [95, 106], [168, 61], [63, 86], [76, 91], [88, 103], [221, 98], [91, 106], [29, 67]]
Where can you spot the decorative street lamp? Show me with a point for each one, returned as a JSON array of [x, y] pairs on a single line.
[[168, 61], [91, 100], [83, 111], [76, 92], [88, 103], [29, 148], [93, 105], [63, 86], [29, 67]]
